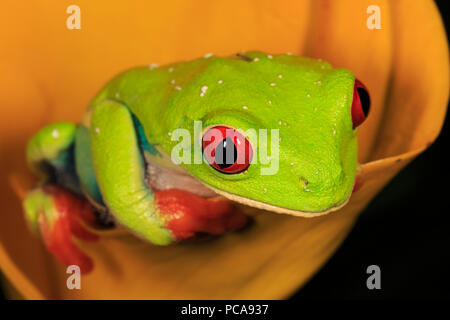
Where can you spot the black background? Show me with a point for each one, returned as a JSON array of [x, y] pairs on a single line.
[[405, 231]]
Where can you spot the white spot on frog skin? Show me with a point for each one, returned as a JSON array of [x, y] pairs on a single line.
[[291, 163], [279, 122], [265, 190], [117, 95], [317, 82], [97, 130], [170, 69], [317, 172], [169, 133], [220, 81], [308, 95], [208, 55], [256, 59], [270, 101], [55, 133], [177, 88], [273, 84], [334, 131], [269, 56], [244, 107], [153, 66], [280, 76], [172, 81], [203, 89]]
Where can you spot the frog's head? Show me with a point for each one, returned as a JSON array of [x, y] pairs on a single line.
[[288, 125]]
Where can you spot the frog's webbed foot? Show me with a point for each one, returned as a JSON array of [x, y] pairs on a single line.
[[187, 215], [57, 215], [56, 210]]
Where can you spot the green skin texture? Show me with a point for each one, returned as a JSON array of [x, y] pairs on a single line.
[[310, 99]]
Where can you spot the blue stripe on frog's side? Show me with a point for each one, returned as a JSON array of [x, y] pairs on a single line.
[[143, 142], [83, 159]]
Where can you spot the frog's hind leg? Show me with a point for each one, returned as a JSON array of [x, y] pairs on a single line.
[[55, 210]]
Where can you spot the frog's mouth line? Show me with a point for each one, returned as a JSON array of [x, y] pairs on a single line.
[[160, 178], [281, 210]]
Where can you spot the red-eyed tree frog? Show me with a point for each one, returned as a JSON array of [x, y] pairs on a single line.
[[167, 152]]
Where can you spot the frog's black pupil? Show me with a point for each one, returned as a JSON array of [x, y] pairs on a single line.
[[365, 100], [226, 153]]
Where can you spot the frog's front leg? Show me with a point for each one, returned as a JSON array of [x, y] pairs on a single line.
[[161, 217], [55, 210]]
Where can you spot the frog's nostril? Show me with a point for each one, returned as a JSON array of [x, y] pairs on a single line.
[[303, 183]]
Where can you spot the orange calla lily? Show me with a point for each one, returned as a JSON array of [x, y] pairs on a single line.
[[50, 73]]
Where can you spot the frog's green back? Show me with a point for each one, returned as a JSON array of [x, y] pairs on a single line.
[[307, 100]]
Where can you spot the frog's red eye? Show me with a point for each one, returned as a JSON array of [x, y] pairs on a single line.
[[360, 104], [226, 150]]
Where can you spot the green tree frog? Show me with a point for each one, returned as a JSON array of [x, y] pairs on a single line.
[[274, 132]]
